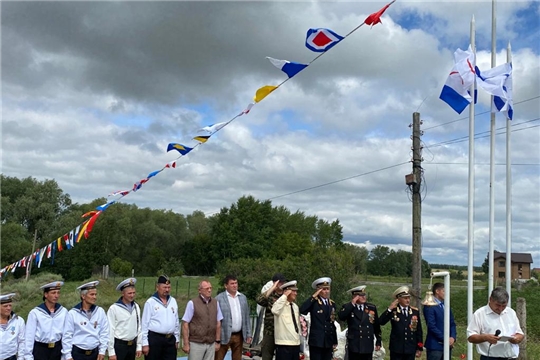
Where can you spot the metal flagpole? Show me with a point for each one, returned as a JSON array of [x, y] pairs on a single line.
[[508, 198], [470, 232], [492, 155]]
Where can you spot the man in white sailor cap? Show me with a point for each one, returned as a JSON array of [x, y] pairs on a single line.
[[11, 330], [363, 328], [86, 329], [125, 337], [406, 334], [322, 331], [45, 325], [287, 323]]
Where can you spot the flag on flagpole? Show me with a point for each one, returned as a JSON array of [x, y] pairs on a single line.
[[182, 149], [288, 67], [263, 92], [375, 18], [455, 91], [321, 40], [506, 105], [498, 82]]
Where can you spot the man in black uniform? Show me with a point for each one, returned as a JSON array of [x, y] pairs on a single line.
[[322, 331], [362, 325], [406, 334]]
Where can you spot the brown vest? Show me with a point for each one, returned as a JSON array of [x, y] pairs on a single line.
[[202, 327]]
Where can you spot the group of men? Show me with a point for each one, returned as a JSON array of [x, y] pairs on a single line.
[[212, 326]]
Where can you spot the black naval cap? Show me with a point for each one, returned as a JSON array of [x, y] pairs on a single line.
[[163, 279]]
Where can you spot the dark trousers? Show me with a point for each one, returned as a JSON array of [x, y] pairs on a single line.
[[236, 344], [319, 353], [482, 357], [268, 347], [399, 356], [42, 351], [13, 357], [286, 352], [161, 346], [125, 350], [436, 354], [358, 356], [81, 354]]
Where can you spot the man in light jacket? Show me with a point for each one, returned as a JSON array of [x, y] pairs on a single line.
[[287, 323]]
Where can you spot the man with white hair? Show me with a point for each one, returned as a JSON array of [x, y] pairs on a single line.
[[86, 329]]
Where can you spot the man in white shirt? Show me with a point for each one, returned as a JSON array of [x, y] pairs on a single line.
[[236, 325], [125, 336], [45, 325], [495, 328], [11, 330], [160, 323], [287, 323], [86, 329]]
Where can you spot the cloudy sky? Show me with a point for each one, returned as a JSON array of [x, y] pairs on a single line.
[[93, 92]]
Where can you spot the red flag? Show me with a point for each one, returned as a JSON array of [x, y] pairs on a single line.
[[91, 224], [375, 18]]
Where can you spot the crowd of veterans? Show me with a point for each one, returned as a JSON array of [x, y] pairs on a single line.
[[211, 326]]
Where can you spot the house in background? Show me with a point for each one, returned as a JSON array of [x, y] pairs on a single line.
[[521, 265]]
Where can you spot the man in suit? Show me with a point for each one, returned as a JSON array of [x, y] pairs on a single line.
[[434, 316], [236, 324], [362, 325], [322, 331], [406, 334]]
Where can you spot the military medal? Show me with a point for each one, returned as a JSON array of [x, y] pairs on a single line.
[[95, 324]]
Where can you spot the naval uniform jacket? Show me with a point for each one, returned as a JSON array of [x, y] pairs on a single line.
[[322, 331], [86, 330], [362, 327], [406, 334], [12, 337], [44, 327]]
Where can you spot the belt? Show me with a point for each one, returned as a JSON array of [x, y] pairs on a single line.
[[126, 342], [237, 333], [484, 357], [50, 345], [82, 351], [160, 334]]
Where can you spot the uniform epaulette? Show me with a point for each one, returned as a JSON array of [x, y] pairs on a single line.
[[414, 308]]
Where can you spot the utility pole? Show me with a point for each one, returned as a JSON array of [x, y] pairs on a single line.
[[414, 182]]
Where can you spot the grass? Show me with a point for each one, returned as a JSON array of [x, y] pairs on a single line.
[[185, 288]]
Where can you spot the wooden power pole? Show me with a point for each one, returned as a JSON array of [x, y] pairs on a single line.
[[414, 181]]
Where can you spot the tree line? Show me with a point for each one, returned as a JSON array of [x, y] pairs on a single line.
[[251, 238]]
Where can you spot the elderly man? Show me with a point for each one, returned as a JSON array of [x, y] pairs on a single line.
[[160, 323], [11, 330], [45, 325], [236, 324], [434, 316], [86, 329], [201, 327], [363, 328], [322, 331], [270, 293], [495, 328], [286, 323], [406, 334], [125, 336]]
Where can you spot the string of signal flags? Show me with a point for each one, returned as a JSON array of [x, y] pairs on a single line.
[[319, 40]]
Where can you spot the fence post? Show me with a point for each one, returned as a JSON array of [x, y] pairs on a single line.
[[189, 289], [143, 283], [521, 312], [176, 288]]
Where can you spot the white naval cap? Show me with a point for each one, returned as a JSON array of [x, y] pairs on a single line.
[[126, 283], [324, 281], [88, 285], [358, 290], [290, 285], [55, 285], [402, 291], [7, 298]]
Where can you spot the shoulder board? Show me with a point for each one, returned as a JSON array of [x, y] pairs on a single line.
[[414, 308], [332, 301], [371, 305]]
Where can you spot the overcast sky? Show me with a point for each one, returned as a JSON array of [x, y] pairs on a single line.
[[93, 92]]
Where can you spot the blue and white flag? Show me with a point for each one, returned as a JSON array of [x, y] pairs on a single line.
[[498, 82], [321, 40], [288, 67], [455, 91]]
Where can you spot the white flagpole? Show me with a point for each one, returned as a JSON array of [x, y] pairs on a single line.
[[492, 155], [470, 222], [508, 198]]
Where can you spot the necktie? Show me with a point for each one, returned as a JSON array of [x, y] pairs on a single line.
[[442, 305], [404, 311], [294, 318]]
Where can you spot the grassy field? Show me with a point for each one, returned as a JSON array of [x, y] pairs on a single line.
[[379, 292]]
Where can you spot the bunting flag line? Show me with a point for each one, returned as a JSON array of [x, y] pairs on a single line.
[[66, 241], [202, 138], [59, 244], [321, 40], [375, 18], [212, 129], [49, 250], [182, 149], [121, 192], [247, 109], [171, 164], [288, 67], [263, 92]]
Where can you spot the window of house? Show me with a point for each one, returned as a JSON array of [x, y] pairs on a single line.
[[520, 267], [501, 263], [501, 274]]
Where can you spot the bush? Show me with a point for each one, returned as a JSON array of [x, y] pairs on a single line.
[[121, 267]]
